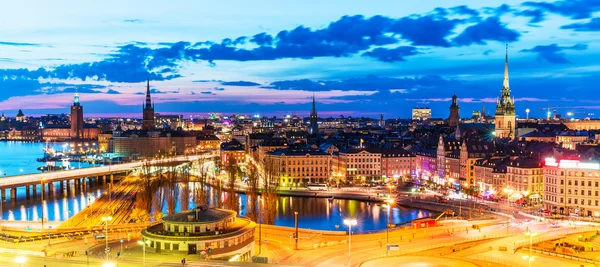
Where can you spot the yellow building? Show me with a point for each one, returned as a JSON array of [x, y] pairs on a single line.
[[572, 187], [525, 177]]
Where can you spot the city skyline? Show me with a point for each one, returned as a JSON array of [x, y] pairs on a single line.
[[270, 59]]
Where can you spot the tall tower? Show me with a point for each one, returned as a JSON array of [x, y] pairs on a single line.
[[314, 127], [454, 114], [381, 121], [505, 108], [76, 118], [148, 110]]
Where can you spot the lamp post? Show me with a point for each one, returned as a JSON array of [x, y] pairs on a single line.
[[387, 234], [296, 220], [530, 235], [350, 223], [144, 243], [106, 219]]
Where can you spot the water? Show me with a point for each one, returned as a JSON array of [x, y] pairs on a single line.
[[322, 214], [59, 204], [17, 157]]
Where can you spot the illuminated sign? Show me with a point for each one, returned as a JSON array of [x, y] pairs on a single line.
[[572, 164]]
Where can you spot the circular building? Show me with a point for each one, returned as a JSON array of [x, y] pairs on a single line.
[[217, 233]]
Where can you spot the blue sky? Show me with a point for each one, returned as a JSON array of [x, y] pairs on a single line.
[[270, 57]]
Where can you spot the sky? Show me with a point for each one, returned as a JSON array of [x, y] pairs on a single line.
[[269, 57]]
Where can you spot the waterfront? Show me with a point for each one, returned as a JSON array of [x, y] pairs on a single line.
[[20, 157], [59, 203], [323, 213]]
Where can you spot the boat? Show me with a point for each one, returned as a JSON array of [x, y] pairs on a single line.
[[48, 168]]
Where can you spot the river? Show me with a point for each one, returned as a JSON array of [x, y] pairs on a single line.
[[18, 157]]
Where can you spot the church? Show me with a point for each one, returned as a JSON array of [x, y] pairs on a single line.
[[77, 130], [506, 123]]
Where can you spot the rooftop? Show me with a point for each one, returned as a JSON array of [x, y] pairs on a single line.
[[201, 215]]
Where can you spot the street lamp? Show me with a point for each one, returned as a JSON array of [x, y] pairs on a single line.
[[529, 259], [389, 202], [144, 243], [20, 260], [106, 219], [350, 223], [108, 264], [530, 235]]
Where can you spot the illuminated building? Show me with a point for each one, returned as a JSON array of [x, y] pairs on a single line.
[[148, 110], [76, 118], [217, 233], [570, 140], [421, 114], [572, 187], [526, 177], [149, 144], [505, 109], [207, 142], [269, 145], [454, 117], [446, 145], [77, 129], [20, 116], [426, 161], [232, 150], [397, 163], [490, 174], [295, 166], [361, 164], [471, 151]]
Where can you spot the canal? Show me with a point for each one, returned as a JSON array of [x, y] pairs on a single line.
[[314, 213]]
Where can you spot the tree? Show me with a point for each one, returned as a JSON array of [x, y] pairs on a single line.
[[253, 190], [232, 172], [139, 215], [270, 190]]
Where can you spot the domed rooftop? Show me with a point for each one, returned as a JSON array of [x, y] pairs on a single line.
[[200, 214]]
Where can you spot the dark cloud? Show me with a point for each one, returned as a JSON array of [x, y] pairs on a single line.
[[553, 53], [19, 44], [592, 25], [240, 83], [575, 9], [206, 93], [367, 83], [113, 92], [392, 55], [219, 89], [498, 11], [488, 52], [490, 29], [535, 15]]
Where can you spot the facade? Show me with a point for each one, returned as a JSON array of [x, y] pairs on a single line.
[[452, 168], [361, 164], [296, 167], [454, 117], [148, 110], [446, 145], [571, 187], [426, 161], [421, 114], [570, 140], [232, 150], [505, 109], [526, 177], [206, 142], [470, 152], [397, 164], [200, 230], [491, 175], [142, 144]]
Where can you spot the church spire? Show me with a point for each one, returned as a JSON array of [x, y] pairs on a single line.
[[148, 99], [314, 106], [505, 84]]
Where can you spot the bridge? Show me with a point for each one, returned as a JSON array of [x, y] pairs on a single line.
[[80, 176]]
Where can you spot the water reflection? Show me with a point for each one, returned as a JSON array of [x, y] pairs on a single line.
[[58, 205], [320, 213]]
